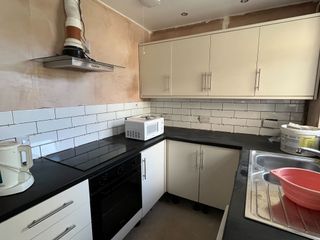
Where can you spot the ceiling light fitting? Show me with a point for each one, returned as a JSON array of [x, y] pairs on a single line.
[[244, 1], [150, 3], [184, 14]]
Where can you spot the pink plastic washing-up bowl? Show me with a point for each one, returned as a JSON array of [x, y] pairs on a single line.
[[300, 186]]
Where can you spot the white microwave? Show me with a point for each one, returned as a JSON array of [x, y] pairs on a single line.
[[144, 127]]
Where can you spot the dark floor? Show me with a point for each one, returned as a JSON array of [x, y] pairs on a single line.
[[169, 221]]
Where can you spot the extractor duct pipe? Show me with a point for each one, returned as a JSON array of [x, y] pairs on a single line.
[[73, 27]]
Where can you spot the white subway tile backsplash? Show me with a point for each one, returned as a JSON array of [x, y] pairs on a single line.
[[222, 128], [262, 107], [247, 114], [71, 132], [275, 115], [6, 118], [94, 109], [138, 111], [227, 115], [216, 120], [51, 125], [56, 147], [289, 107], [106, 116], [36, 153], [220, 113], [115, 123], [83, 120], [105, 133], [115, 107], [246, 130], [235, 106], [97, 127], [253, 123], [69, 112], [123, 114], [203, 126], [24, 116], [132, 105], [19, 130], [191, 105], [43, 138], [181, 124], [200, 112], [210, 105], [269, 132], [182, 111], [86, 139], [234, 121]]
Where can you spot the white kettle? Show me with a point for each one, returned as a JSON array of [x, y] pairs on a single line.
[[14, 174]]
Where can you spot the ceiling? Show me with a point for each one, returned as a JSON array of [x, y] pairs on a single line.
[[167, 14]]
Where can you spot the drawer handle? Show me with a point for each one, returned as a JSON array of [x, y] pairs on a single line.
[[36, 222], [65, 232]]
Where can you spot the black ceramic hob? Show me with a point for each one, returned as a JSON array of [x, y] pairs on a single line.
[[89, 155]]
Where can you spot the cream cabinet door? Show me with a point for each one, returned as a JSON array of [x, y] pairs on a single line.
[[155, 69], [217, 172], [190, 62], [233, 63], [288, 58], [182, 169], [153, 175]]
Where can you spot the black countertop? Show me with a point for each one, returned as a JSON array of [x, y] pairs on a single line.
[[52, 178]]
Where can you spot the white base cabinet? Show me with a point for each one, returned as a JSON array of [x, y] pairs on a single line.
[[201, 173], [153, 175], [64, 215]]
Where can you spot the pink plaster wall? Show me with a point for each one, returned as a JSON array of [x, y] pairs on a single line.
[[33, 28]]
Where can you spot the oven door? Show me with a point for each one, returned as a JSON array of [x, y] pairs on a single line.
[[113, 206]]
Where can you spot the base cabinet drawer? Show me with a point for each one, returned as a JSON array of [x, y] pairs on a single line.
[[84, 234], [35, 220], [69, 226]]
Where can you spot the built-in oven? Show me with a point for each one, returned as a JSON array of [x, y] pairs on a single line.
[[115, 197]]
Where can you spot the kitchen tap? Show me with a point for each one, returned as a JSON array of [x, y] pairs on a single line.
[[310, 150]]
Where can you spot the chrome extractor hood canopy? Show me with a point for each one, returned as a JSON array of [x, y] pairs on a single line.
[[74, 55], [75, 63]]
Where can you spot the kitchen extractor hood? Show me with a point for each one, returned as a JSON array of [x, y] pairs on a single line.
[[75, 63], [75, 51]]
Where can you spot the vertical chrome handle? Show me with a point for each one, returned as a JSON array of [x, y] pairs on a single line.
[[36, 222], [258, 76], [201, 159], [167, 83], [197, 159], [210, 77], [65, 232], [144, 168], [204, 82]]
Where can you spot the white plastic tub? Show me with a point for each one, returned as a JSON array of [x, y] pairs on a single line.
[[292, 139]]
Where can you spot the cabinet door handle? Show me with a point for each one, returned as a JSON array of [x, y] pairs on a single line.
[[197, 159], [65, 232], [204, 82], [209, 80], [258, 76], [145, 168], [39, 220], [167, 83], [201, 160]]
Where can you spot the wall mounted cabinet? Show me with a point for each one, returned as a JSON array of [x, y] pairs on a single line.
[[195, 172], [276, 59]]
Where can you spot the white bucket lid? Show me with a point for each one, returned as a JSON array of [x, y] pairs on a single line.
[[313, 131]]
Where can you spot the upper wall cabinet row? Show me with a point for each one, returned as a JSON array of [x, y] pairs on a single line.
[[275, 60]]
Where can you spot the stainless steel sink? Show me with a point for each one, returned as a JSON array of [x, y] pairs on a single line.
[[266, 202]]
